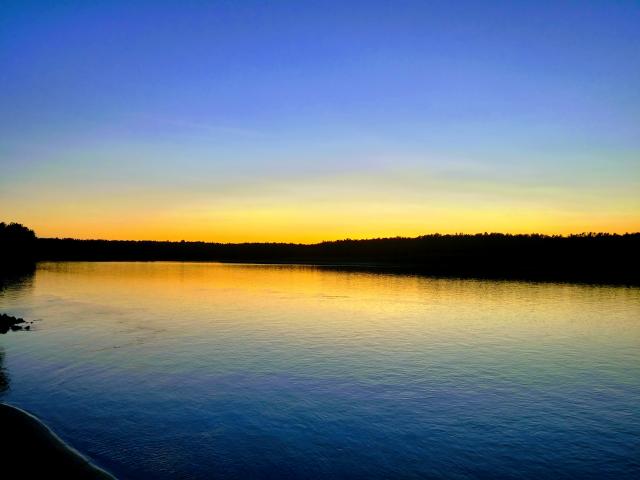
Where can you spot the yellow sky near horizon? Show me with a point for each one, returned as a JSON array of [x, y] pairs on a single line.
[[311, 223]]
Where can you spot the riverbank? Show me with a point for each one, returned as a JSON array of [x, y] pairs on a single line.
[[592, 258], [31, 450]]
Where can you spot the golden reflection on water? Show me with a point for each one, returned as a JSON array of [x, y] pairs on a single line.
[[304, 300]]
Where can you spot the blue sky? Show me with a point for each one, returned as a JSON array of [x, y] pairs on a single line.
[[300, 120]]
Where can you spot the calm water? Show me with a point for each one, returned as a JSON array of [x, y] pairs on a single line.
[[199, 370]]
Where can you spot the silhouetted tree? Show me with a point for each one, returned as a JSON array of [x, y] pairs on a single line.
[[17, 245]]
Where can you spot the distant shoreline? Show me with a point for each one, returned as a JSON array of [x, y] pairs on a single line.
[[592, 258]]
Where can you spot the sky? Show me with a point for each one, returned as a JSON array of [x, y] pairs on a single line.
[[317, 120]]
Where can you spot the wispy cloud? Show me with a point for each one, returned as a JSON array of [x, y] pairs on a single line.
[[198, 127]]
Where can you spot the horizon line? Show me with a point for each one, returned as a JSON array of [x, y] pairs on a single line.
[[349, 239]]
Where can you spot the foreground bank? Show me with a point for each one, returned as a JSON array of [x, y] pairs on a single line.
[[31, 450]]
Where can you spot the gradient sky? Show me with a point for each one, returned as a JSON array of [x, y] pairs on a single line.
[[311, 120]]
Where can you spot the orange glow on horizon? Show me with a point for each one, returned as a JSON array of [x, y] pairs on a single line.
[[313, 229]]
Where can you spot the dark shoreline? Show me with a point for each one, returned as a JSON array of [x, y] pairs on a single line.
[[597, 258], [31, 450], [588, 258]]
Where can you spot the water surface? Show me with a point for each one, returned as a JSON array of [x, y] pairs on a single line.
[[204, 370]]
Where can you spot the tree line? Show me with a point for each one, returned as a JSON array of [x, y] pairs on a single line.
[[598, 257]]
